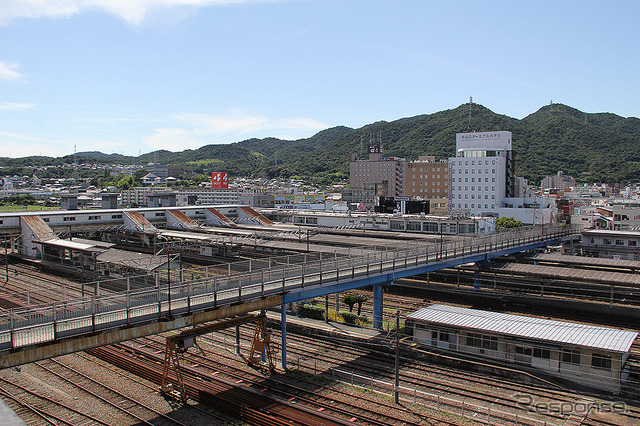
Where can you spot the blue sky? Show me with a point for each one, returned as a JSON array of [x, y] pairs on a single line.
[[134, 76]]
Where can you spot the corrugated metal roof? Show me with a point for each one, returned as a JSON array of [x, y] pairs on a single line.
[[39, 227], [590, 336], [570, 273], [74, 245], [179, 215], [188, 235], [581, 260], [138, 221], [141, 261]]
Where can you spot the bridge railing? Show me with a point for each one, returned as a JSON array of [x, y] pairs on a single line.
[[20, 327]]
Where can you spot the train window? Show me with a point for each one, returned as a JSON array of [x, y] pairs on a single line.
[[1, 221], [523, 351], [619, 242], [631, 243], [601, 361], [571, 356]]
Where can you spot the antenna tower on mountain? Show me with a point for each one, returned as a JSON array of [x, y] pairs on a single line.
[[470, 103]]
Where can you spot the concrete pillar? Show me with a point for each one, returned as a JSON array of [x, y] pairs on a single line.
[[283, 324], [377, 305], [476, 280]]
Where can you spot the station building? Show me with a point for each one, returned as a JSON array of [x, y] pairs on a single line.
[[589, 355]]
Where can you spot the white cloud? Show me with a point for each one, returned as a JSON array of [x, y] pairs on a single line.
[[203, 129], [9, 71], [18, 145], [16, 106], [132, 11], [171, 139]]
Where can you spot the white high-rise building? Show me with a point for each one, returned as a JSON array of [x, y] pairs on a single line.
[[481, 172]]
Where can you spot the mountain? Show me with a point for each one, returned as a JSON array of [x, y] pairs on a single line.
[[600, 147]]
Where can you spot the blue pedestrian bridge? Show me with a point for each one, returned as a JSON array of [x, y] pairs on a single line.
[[48, 330]]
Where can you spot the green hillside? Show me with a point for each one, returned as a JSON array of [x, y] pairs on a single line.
[[599, 147], [605, 149]]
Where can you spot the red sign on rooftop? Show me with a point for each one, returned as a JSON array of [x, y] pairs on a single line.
[[220, 180]]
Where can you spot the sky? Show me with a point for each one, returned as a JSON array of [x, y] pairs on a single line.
[[135, 76]]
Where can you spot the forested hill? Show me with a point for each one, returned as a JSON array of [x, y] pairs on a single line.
[[600, 147], [605, 149]]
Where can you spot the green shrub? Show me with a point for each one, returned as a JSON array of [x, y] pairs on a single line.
[[349, 317], [311, 311]]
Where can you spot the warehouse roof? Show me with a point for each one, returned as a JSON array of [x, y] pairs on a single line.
[[559, 332]]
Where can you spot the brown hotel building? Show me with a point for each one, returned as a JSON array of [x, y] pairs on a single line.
[[396, 177]]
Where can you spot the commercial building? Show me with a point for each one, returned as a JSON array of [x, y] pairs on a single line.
[[618, 217], [585, 354], [481, 172], [611, 244], [385, 173], [426, 178], [184, 196], [423, 179], [385, 222], [559, 181]]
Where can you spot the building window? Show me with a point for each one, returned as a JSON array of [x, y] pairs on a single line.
[[489, 342], [571, 356], [474, 339], [541, 353], [116, 216], [601, 361], [520, 350]]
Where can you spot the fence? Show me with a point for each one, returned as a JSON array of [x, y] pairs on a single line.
[[47, 322]]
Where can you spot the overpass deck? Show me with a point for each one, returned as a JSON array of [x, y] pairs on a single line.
[[29, 334]]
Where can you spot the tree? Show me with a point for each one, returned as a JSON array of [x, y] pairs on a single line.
[[350, 300], [360, 299], [508, 222], [126, 182], [139, 174]]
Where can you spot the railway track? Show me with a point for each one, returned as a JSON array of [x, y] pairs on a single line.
[[465, 387], [244, 403], [303, 389], [137, 411]]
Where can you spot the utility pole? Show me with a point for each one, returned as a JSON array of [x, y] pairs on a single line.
[[396, 386], [169, 277]]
